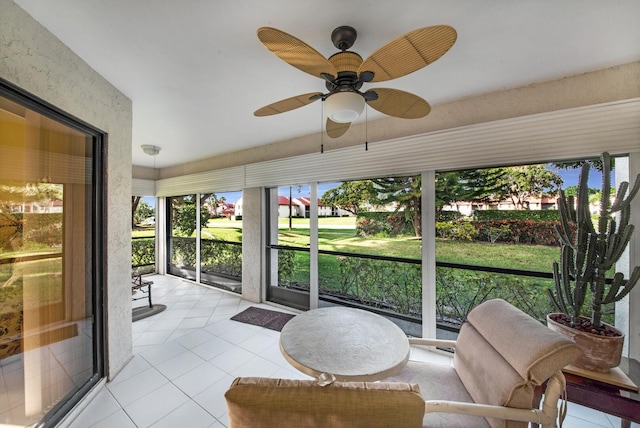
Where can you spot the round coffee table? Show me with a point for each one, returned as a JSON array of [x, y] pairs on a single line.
[[344, 343]]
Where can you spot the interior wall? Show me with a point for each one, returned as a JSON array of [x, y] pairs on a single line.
[[36, 61]]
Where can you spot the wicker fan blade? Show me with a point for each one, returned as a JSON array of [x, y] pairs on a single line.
[[288, 104], [335, 129], [295, 52], [397, 103], [408, 53]]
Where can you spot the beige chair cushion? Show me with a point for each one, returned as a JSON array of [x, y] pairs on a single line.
[[535, 351], [265, 403], [440, 383], [487, 377]]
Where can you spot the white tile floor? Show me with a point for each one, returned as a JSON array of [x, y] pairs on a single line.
[[186, 357]]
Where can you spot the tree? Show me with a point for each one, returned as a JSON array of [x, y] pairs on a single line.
[[573, 191], [212, 203], [143, 212], [595, 163], [406, 194], [351, 196], [470, 186], [520, 183], [135, 201], [14, 194], [184, 214]]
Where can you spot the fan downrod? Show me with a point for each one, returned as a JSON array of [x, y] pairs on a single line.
[[344, 37]]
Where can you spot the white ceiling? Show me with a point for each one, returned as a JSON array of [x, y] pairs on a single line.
[[195, 70]]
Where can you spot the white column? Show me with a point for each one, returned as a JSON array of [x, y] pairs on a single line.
[[198, 235], [429, 254], [252, 244], [313, 246], [161, 235], [628, 309]]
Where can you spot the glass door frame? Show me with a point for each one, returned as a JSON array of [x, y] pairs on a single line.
[[98, 203]]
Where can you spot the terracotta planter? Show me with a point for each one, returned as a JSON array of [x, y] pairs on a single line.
[[601, 353]]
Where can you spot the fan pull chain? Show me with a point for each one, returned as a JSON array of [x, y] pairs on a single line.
[[321, 128], [366, 128]]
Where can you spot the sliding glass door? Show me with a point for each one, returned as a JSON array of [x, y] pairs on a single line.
[[51, 348]]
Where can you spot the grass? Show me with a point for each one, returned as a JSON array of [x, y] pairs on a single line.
[[339, 234], [41, 281], [527, 257]]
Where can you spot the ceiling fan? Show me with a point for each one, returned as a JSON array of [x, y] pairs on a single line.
[[345, 72]]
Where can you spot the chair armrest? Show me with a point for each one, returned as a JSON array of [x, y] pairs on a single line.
[[432, 342], [489, 411]]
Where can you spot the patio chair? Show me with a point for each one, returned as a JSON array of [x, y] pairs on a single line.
[[502, 361], [142, 285]]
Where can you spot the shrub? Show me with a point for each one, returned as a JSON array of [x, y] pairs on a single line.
[[443, 229], [143, 252], [383, 224], [383, 284], [221, 257], [371, 227], [537, 215], [517, 231], [458, 230], [183, 251], [459, 291], [447, 215], [286, 266]]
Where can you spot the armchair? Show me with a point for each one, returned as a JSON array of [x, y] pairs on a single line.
[[502, 357]]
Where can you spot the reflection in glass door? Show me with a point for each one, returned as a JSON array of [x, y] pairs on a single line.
[[50, 338]]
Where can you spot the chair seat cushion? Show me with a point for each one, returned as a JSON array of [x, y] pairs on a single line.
[[439, 382]]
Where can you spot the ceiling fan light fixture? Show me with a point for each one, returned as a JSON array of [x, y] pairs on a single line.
[[344, 107]]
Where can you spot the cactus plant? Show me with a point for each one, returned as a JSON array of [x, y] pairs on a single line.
[[588, 253]]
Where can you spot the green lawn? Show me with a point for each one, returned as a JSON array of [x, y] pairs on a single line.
[[339, 234], [526, 257]]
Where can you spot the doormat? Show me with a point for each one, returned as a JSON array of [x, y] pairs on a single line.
[[266, 318], [146, 311]]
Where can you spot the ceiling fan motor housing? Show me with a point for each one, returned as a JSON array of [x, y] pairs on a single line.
[[346, 64]]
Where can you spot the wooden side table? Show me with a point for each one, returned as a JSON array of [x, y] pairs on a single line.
[[606, 397], [344, 344]]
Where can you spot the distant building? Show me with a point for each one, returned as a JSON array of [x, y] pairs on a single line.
[[37, 207], [534, 204], [300, 207]]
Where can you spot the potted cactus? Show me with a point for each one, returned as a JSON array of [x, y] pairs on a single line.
[[587, 253]]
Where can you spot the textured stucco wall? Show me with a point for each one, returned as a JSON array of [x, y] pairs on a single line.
[[33, 59], [252, 248]]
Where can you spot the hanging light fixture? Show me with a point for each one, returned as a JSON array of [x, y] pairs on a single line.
[[150, 149], [344, 107]]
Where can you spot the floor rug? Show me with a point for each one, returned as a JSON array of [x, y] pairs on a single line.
[[273, 320], [145, 311]]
